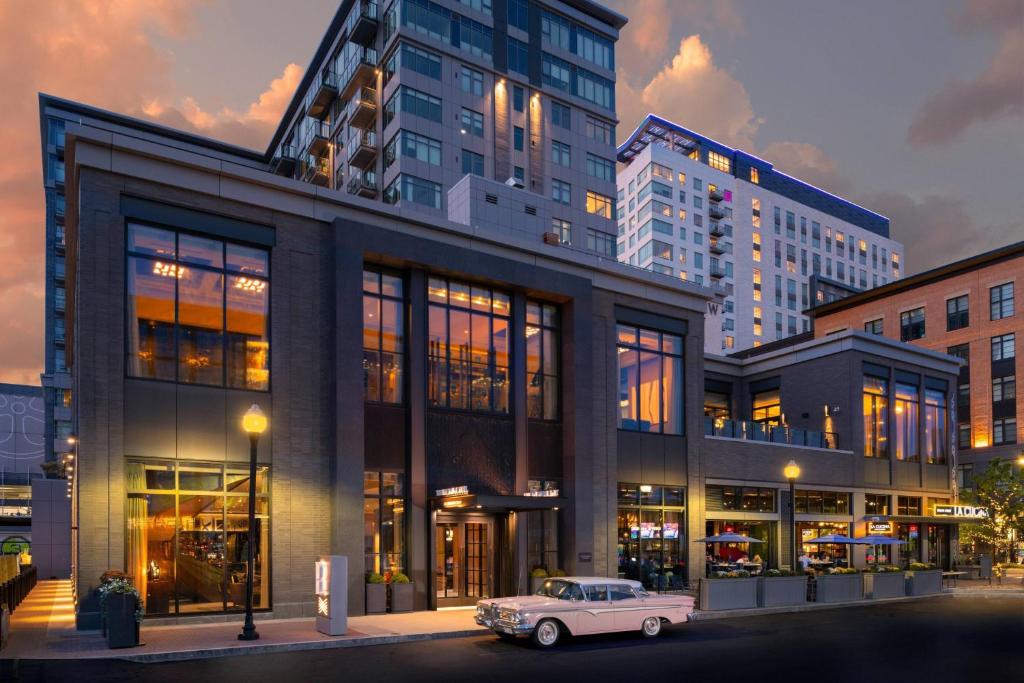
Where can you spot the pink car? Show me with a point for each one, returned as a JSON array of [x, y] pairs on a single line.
[[581, 606]]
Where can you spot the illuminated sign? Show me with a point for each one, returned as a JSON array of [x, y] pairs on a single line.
[[330, 589], [671, 530], [961, 511], [879, 527], [546, 493], [452, 491], [322, 588]]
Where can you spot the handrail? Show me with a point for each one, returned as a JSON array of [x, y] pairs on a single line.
[[748, 430]]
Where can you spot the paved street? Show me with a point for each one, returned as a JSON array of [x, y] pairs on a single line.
[[960, 639]]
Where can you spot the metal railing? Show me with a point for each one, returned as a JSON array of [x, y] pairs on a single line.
[[778, 434]]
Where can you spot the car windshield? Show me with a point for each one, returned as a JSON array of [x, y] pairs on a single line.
[[560, 590]]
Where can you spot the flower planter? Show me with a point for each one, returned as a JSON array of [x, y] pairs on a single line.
[[536, 582], [119, 615], [401, 596], [779, 591], [718, 594], [924, 582], [376, 598], [878, 585], [839, 587]]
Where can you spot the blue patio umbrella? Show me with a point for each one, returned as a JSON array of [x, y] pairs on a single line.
[[835, 538], [728, 537]]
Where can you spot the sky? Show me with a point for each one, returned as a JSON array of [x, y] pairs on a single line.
[[914, 109]]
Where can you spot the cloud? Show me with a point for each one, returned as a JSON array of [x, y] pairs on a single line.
[[987, 15], [693, 91], [809, 163]]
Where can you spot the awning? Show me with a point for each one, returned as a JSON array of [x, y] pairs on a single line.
[[496, 503]]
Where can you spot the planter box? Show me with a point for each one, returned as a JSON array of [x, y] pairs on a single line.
[[376, 598], [924, 583], [884, 585], [839, 587], [716, 594], [536, 582], [401, 596], [122, 628], [779, 591]]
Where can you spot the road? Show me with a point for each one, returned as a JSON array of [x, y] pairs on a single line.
[[948, 640]]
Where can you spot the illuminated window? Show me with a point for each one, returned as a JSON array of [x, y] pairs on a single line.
[[650, 380], [682, 214], [599, 204], [755, 177], [383, 337], [719, 161], [659, 171], [757, 285], [682, 178], [542, 353], [767, 407]]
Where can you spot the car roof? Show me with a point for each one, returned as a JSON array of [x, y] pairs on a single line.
[[598, 580]]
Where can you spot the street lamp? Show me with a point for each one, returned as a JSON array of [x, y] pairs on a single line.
[[254, 422], [792, 471]]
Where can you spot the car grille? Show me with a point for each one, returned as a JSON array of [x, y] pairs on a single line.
[[507, 614]]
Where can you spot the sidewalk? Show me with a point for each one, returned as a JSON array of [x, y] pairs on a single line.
[[43, 627]]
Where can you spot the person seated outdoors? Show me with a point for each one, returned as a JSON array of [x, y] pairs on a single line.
[[804, 561]]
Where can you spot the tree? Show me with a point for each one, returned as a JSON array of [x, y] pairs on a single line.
[[1000, 490]]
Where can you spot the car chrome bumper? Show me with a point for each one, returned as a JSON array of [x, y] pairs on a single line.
[[483, 621], [512, 629]]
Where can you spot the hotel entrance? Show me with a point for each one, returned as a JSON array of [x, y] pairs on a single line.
[[464, 560]]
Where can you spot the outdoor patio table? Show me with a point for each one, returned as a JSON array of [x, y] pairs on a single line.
[[948, 577]]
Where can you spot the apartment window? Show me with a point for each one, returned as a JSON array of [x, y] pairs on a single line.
[[561, 115], [414, 58], [757, 284], [822, 502], [472, 81], [518, 61], [561, 154], [956, 313], [518, 136], [755, 177], [757, 247], [594, 48], [739, 498], [563, 229], [519, 173], [602, 131], [936, 426], [472, 122], [650, 380], [698, 184], [414, 102], [912, 324], [1004, 431], [409, 188], [555, 31], [1003, 347], [556, 73], [876, 391], [600, 168], [876, 504], [766, 408], [542, 353], [601, 205], [472, 163], [518, 98], [1004, 388], [906, 418], [414, 146], [561, 192], [468, 340], [873, 326], [909, 506], [719, 161], [383, 336], [601, 243], [965, 477], [1001, 301], [519, 14]]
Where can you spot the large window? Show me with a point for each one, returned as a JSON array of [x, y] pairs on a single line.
[[186, 535], [1004, 347], [957, 313], [414, 102], [876, 391], [599, 204], [766, 408], [824, 502], [873, 326], [936, 426], [383, 522], [409, 57], [650, 380], [197, 309], [908, 506], [739, 498], [542, 364], [409, 188], [906, 417], [876, 504], [383, 337], [1001, 301], [413, 146], [652, 535], [468, 346], [1004, 431], [912, 324]]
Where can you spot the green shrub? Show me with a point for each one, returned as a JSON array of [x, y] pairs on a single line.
[[399, 577], [539, 573], [884, 569], [772, 573], [842, 570], [738, 574], [374, 577], [921, 566], [558, 572]]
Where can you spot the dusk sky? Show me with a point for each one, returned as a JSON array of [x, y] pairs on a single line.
[[914, 109]]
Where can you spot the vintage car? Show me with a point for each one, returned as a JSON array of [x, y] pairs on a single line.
[[582, 605]]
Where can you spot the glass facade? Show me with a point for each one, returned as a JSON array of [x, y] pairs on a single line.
[[906, 417], [876, 442], [650, 380], [651, 544], [936, 426], [542, 361], [837, 553], [766, 408], [384, 522], [383, 337], [186, 535]]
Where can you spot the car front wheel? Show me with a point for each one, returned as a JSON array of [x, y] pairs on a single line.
[[546, 634], [651, 627]]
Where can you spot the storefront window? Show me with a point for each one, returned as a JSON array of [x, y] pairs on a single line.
[[876, 504], [542, 539], [542, 362], [876, 443], [726, 556], [938, 545], [908, 505], [651, 535], [910, 534], [740, 498], [383, 522], [187, 535], [650, 380], [469, 347], [825, 502], [836, 553], [906, 417], [198, 309], [717, 405], [936, 426], [767, 408], [383, 336]]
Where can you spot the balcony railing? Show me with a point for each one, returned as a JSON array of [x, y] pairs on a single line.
[[316, 134], [363, 183], [362, 148], [361, 25], [757, 431], [283, 161], [359, 71], [316, 170], [717, 247], [716, 229], [363, 108], [716, 272], [322, 92], [715, 195], [716, 211]]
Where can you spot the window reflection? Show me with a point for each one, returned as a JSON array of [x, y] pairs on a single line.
[[906, 418], [650, 380], [383, 337], [876, 443]]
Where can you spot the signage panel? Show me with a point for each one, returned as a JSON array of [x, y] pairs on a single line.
[[961, 511], [452, 491], [330, 590]]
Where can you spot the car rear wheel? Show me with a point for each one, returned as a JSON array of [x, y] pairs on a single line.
[[546, 634], [651, 627]]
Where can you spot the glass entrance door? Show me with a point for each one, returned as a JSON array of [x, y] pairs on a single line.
[[463, 561], [938, 545], [449, 556]]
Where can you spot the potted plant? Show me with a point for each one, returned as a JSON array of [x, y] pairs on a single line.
[[840, 584], [122, 612], [923, 579], [884, 581], [537, 578], [400, 589], [105, 578], [780, 587], [729, 590], [376, 593]]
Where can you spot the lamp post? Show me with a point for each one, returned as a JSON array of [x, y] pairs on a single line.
[[254, 422], [792, 471]]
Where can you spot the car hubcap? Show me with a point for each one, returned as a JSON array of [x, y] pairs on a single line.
[[548, 633], [651, 626]]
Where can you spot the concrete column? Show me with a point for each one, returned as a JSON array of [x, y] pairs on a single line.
[[418, 540]]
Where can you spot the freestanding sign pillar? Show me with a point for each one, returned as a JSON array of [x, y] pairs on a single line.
[[331, 594]]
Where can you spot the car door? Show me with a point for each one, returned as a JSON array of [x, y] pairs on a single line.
[[628, 611], [595, 615]]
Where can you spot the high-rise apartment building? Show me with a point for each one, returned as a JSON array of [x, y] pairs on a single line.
[[404, 99], [693, 208]]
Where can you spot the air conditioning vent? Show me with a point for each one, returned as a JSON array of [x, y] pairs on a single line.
[[531, 210], [551, 238], [491, 198]]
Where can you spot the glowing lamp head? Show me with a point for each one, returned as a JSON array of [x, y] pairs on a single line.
[[254, 421], [1020, 460], [791, 470]]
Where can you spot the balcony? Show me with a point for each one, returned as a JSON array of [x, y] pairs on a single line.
[[716, 272], [757, 431], [362, 149], [360, 70], [363, 184], [717, 247], [363, 108], [316, 170], [316, 134], [715, 195], [322, 92], [362, 23], [716, 229], [283, 161], [716, 212]]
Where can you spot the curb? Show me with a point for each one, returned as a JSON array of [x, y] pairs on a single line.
[[808, 607]]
